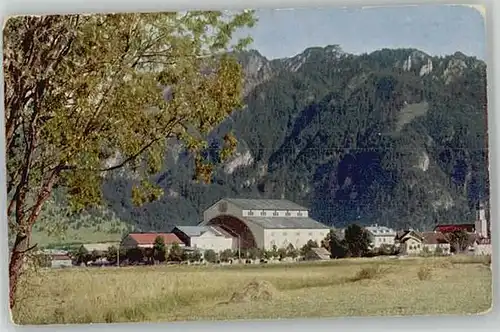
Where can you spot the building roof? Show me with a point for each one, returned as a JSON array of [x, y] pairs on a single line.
[[405, 235], [194, 231], [321, 253], [286, 222], [98, 246], [265, 204], [380, 230], [60, 257], [149, 238], [434, 238], [454, 227]]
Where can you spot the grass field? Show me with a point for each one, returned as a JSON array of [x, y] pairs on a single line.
[[457, 285]]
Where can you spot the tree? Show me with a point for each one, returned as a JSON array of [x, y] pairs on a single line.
[[325, 243], [95, 255], [282, 253], [159, 249], [135, 255], [336, 247], [112, 255], [226, 255], [149, 255], [85, 95], [357, 240], [291, 251], [175, 253], [210, 256], [195, 256], [306, 248], [459, 240], [82, 255]]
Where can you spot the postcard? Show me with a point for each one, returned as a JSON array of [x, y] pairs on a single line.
[[252, 164]]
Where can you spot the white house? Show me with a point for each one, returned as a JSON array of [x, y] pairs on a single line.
[[265, 223], [381, 235], [206, 237]]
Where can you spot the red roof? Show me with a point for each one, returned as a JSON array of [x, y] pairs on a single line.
[[434, 238], [60, 257], [149, 238], [452, 228]]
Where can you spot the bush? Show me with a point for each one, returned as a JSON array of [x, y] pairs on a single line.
[[366, 273], [424, 273], [210, 256], [226, 255]]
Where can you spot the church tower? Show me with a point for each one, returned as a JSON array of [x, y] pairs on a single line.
[[481, 224]]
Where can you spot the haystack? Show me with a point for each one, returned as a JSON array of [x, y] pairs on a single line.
[[255, 291]]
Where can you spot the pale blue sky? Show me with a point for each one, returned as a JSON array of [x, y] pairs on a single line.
[[435, 29]]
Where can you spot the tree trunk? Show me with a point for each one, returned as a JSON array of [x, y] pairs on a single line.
[[21, 246]]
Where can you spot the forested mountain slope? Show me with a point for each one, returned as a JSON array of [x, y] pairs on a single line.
[[395, 137]]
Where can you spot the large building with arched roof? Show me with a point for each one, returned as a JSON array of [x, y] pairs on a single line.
[[264, 223]]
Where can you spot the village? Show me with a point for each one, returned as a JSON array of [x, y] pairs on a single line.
[[254, 231]]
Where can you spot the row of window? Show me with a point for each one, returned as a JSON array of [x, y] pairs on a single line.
[[274, 214], [298, 234], [381, 239]]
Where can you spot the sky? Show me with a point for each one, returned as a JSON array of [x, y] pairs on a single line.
[[434, 29]]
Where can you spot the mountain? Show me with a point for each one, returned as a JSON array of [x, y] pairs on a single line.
[[395, 137]]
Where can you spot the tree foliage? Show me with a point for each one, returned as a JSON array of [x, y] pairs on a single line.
[[176, 253], [160, 250], [357, 240], [459, 240], [87, 94], [210, 256]]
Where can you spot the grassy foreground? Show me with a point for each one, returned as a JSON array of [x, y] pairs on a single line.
[[458, 285]]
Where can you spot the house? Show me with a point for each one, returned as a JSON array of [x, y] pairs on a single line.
[[147, 240], [381, 235], [100, 248], [206, 237], [265, 223], [482, 247], [413, 243], [409, 242], [436, 242], [60, 260]]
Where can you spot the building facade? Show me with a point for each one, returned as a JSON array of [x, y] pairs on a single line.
[[206, 237], [60, 260], [265, 223], [409, 243], [436, 242], [381, 235]]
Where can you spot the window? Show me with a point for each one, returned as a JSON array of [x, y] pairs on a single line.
[[299, 214], [263, 213], [250, 213], [298, 233], [310, 234], [418, 246], [284, 233], [288, 214], [383, 240], [275, 213]]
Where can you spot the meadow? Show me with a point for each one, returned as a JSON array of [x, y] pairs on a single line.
[[347, 287]]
